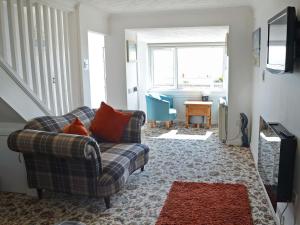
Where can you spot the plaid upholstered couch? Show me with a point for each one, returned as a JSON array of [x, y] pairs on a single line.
[[77, 164]]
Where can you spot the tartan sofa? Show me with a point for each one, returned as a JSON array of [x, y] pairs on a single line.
[[78, 164]]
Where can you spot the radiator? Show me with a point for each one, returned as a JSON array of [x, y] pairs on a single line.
[[222, 123]]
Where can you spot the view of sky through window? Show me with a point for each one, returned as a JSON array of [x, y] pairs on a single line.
[[188, 66]]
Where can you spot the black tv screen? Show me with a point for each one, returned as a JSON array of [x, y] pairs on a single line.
[[281, 41]]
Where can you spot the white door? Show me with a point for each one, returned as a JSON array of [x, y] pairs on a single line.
[[97, 68], [132, 86]]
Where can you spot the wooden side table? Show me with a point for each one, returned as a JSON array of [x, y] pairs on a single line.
[[198, 108]]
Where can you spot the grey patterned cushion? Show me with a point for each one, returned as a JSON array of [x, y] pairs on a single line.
[[57, 123]]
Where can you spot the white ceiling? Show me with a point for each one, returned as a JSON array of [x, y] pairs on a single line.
[[119, 6], [183, 35]]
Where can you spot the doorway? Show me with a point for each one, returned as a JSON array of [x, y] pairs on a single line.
[[96, 50], [185, 63]]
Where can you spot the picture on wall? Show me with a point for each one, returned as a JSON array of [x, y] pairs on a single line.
[[131, 51], [256, 39]]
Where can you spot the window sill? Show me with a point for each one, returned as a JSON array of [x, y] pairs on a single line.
[[187, 91]]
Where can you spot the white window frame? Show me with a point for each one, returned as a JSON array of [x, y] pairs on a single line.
[[155, 46], [152, 66]]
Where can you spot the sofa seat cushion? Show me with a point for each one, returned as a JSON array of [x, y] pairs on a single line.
[[118, 162], [106, 146], [172, 114]]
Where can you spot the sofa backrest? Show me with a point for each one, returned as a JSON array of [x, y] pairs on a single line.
[[57, 123], [162, 97]]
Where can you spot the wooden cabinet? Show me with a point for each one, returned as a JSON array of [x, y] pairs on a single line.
[[197, 108]]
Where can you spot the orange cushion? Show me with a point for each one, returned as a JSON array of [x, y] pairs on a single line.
[[109, 124], [76, 127]]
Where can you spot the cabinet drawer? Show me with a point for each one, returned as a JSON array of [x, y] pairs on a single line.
[[198, 110]]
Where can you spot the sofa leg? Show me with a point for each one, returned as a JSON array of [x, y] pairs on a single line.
[[39, 193], [168, 124], [142, 168], [107, 202], [152, 124]]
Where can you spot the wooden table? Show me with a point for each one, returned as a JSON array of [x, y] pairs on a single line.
[[198, 108]]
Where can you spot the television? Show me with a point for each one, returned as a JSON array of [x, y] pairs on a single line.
[[282, 30], [276, 161]]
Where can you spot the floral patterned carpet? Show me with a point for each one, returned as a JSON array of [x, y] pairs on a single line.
[[175, 154]]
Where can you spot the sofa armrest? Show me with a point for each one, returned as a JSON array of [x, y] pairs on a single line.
[[168, 98], [55, 144], [132, 132]]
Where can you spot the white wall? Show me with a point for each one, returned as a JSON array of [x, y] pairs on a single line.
[[12, 171], [276, 98], [75, 61], [239, 20], [8, 114], [131, 75], [143, 76], [89, 19]]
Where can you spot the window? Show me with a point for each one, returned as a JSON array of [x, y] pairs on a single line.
[[188, 66], [163, 67]]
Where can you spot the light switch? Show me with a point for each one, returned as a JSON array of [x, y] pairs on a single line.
[[85, 64]]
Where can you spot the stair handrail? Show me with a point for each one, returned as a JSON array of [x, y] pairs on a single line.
[[24, 86]]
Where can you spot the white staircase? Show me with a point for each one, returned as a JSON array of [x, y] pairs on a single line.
[[34, 74], [34, 58]]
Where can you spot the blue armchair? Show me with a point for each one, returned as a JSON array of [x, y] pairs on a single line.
[[160, 108]]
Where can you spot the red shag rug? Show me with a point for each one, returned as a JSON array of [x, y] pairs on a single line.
[[206, 204]]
